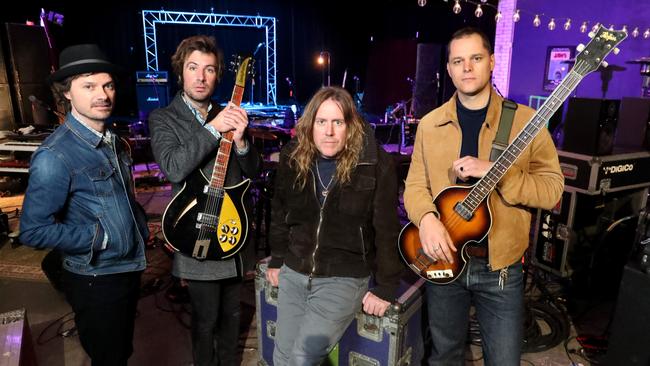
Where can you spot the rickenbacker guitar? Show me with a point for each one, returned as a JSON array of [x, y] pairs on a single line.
[[464, 211], [206, 220]]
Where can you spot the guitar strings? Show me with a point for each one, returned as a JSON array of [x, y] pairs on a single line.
[[572, 81]]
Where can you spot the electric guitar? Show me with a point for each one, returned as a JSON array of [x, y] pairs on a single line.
[[206, 220], [464, 211]]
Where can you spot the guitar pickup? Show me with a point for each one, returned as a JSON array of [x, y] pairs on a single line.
[[205, 218]]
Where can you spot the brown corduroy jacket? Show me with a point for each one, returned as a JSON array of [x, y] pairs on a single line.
[[533, 181]]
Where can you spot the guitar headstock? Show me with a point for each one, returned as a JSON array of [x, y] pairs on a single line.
[[593, 54], [243, 67]]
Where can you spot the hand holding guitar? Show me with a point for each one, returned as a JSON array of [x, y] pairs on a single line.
[[470, 167], [232, 118], [436, 242]]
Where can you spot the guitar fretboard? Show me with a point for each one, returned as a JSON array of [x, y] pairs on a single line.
[[486, 184], [225, 146]]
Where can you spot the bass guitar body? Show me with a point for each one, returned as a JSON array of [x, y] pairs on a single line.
[[462, 231]]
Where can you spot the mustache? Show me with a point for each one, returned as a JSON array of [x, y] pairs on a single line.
[[102, 104]]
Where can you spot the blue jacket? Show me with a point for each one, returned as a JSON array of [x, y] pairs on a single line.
[[80, 188]]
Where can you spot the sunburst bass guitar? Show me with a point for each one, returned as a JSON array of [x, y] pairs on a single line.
[[206, 220], [464, 210]]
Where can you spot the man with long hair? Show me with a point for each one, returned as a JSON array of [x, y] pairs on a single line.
[[334, 222], [185, 137], [452, 145]]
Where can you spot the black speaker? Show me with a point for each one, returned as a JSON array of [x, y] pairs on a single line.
[[590, 126], [629, 340], [30, 66], [633, 123], [150, 97], [427, 78]]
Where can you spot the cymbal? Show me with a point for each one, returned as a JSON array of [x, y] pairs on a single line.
[[263, 134], [642, 60]]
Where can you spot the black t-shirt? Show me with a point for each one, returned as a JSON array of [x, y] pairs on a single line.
[[470, 124]]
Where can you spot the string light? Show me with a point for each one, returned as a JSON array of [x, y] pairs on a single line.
[[497, 18], [537, 20], [457, 9], [478, 12], [595, 27]]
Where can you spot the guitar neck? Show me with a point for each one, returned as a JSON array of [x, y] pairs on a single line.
[[225, 147], [487, 184]]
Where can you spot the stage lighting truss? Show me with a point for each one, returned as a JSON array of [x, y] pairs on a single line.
[[150, 18]]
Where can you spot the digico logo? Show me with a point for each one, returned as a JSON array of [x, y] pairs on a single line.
[[618, 168]]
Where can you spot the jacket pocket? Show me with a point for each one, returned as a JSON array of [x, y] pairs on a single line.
[[356, 198], [102, 181]]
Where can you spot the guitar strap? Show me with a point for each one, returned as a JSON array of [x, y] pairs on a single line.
[[500, 142]]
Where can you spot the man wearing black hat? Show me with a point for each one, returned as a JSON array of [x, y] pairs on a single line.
[[80, 201]]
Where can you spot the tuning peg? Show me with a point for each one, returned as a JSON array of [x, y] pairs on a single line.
[[591, 34], [616, 50], [605, 64], [580, 47]]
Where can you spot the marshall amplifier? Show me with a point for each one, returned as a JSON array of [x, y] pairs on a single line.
[[601, 174]]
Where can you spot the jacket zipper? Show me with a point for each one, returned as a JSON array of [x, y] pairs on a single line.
[[119, 171], [363, 245], [320, 221]]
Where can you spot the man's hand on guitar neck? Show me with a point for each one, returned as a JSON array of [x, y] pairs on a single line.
[[435, 239], [470, 167], [232, 118]]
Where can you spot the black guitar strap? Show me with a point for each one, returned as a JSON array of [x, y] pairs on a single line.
[[500, 142]]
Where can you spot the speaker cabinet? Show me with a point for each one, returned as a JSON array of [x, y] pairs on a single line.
[[633, 124], [150, 97], [590, 126], [427, 78], [630, 337], [29, 60]]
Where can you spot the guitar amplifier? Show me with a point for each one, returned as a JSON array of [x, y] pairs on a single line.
[[601, 174], [392, 340]]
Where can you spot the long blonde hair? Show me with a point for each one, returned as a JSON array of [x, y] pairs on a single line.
[[303, 156]]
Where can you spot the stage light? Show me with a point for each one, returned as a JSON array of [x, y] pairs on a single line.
[[551, 24], [646, 34], [583, 27], [567, 24], [635, 32], [516, 17], [497, 18], [422, 2], [536, 21]]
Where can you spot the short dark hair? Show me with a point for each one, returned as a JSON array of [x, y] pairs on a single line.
[[202, 43], [468, 31]]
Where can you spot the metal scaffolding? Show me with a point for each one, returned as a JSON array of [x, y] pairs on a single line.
[[152, 17]]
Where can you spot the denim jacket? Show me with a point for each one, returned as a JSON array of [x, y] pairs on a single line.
[[79, 189]]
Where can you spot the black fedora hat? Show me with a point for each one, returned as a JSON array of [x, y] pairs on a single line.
[[82, 59]]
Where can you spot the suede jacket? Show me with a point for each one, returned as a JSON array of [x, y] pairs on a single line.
[[533, 181], [353, 234]]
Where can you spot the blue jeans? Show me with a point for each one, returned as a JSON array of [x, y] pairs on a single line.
[[499, 312], [310, 322]]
